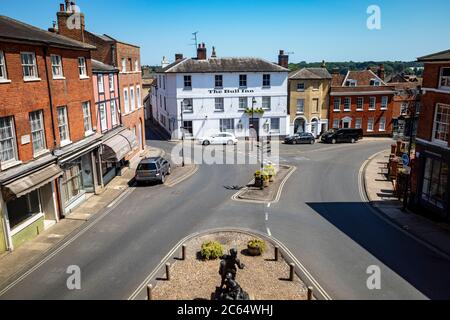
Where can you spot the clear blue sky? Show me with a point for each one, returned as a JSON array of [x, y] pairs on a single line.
[[333, 30]]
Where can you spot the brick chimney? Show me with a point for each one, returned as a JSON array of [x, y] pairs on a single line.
[[335, 70], [71, 23], [283, 59], [178, 56], [381, 72], [201, 52]]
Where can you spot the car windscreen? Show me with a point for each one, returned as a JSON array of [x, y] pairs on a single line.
[[147, 166]]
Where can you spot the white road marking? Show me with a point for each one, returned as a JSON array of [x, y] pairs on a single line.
[[267, 216], [268, 205], [268, 232]]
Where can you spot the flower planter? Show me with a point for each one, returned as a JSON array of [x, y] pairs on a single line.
[[253, 251]]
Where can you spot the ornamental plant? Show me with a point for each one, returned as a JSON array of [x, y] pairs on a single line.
[[257, 244], [211, 250]]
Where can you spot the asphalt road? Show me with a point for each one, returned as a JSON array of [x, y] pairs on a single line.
[[320, 217]]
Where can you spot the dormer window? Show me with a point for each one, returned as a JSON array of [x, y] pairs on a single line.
[[375, 82], [351, 83], [445, 78]]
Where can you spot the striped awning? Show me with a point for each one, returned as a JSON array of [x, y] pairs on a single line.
[[119, 146], [31, 182]]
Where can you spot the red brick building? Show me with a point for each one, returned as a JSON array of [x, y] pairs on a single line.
[[124, 56], [48, 144], [361, 99], [431, 182]]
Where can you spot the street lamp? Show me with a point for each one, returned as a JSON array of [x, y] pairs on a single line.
[[252, 120], [182, 134]]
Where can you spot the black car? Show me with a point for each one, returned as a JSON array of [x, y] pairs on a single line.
[[298, 138], [342, 135], [152, 169]]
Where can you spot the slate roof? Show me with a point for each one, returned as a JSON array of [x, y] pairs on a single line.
[[102, 67], [439, 56], [310, 73], [11, 29], [215, 65]]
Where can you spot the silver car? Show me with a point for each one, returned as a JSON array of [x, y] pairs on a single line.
[[152, 169]]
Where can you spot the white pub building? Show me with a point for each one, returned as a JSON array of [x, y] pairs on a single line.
[[221, 95]]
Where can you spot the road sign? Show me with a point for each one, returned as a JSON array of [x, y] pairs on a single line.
[[405, 159]]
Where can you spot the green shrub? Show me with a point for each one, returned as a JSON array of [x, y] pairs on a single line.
[[211, 250], [257, 244]]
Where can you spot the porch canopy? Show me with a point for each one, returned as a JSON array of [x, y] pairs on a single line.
[[31, 182], [119, 146]]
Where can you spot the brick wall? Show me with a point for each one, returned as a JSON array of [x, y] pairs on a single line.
[[365, 114], [19, 98]]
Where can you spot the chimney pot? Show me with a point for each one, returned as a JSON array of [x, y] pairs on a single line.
[[178, 56], [61, 7], [201, 52], [283, 59]]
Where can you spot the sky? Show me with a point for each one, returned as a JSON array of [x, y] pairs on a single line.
[[309, 30]]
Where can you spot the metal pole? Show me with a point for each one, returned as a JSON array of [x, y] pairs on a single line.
[[149, 291], [168, 271], [310, 293], [182, 135], [291, 272]]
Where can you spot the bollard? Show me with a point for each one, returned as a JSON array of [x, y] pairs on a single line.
[[291, 272], [149, 292], [168, 271], [183, 252], [276, 253], [310, 293]]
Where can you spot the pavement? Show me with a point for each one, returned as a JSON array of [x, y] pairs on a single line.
[[13, 263], [380, 193]]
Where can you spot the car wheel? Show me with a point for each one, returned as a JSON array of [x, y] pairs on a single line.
[[206, 143], [333, 141], [169, 171], [163, 179], [230, 142], [312, 141], [353, 140]]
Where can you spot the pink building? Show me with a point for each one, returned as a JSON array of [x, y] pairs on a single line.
[[117, 140]]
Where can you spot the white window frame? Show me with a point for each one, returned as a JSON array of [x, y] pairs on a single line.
[[370, 121], [126, 100], [374, 100], [187, 79], [266, 80], [360, 106], [124, 65], [136, 65], [64, 125], [219, 102], [347, 104], [245, 100], [335, 100], [375, 82], [302, 109], [336, 123], [351, 83], [113, 113], [100, 83], [384, 102], [271, 125], [104, 119], [244, 81], [218, 78], [138, 97], [82, 69], [382, 124], [266, 103], [111, 82], [3, 73], [87, 118], [57, 67], [31, 67], [444, 123], [37, 131], [12, 138], [444, 82], [301, 87], [188, 105], [358, 123]]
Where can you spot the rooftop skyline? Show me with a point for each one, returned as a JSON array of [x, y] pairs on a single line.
[[308, 30]]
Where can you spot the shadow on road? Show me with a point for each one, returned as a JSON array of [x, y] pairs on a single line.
[[418, 265]]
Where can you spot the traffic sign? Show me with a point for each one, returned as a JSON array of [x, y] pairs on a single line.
[[405, 159]]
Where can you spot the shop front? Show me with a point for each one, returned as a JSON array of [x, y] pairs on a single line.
[[114, 149], [28, 205]]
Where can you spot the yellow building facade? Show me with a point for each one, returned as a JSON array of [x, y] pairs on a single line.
[[308, 96]]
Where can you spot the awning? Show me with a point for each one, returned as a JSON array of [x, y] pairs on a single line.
[[119, 146], [31, 182]]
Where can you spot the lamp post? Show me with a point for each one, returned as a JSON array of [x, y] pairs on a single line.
[[182, 134], [252, 120]]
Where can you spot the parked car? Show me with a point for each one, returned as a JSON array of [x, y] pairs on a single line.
[[152, 169], [342, 135], [219, 138], [297, 138]]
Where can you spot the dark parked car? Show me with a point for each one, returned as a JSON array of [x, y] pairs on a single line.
[[152, 169], [342, 135], [298, 138]]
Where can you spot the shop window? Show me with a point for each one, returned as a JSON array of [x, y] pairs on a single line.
[[23, 208], [435, 180], [72, 182]]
